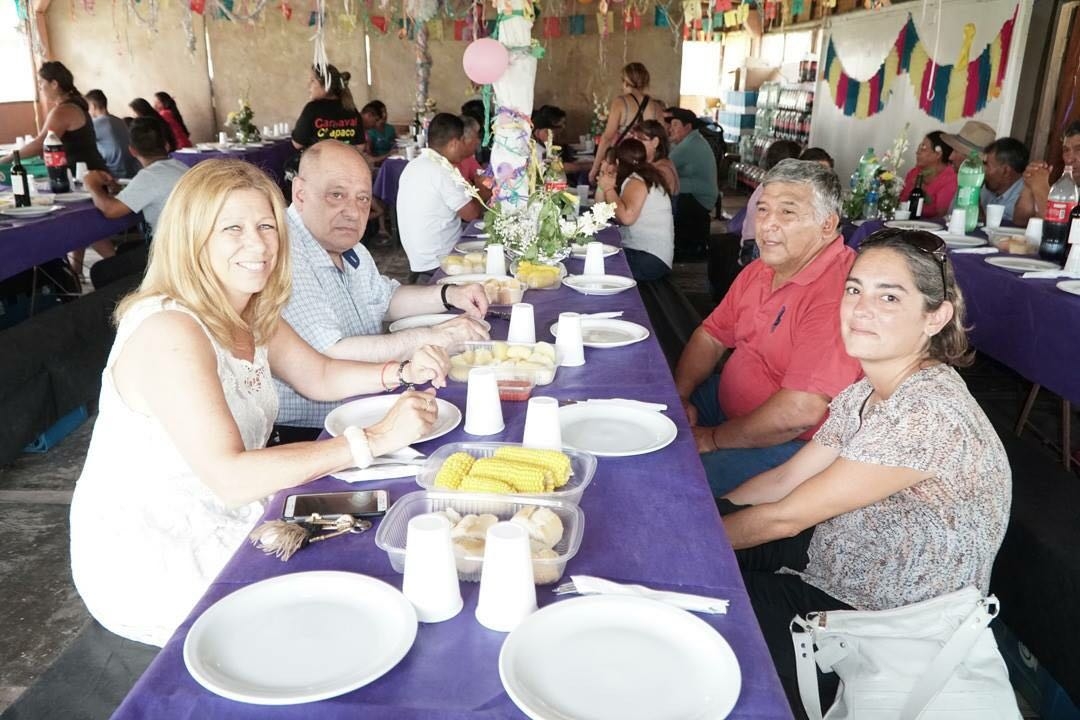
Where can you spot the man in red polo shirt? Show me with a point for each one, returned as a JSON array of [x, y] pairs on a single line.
[[779, 328]]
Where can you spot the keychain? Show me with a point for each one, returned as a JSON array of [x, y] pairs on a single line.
[[282, 539]]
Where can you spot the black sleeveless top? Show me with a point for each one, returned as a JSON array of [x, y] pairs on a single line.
[[81, 145]]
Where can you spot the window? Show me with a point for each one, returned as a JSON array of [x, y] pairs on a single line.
[[17, 82], [700, 69]]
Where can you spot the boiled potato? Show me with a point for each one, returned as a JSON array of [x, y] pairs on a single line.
[[518, 352]]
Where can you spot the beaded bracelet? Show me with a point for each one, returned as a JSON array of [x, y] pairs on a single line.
[[359, 446], [401, 373]]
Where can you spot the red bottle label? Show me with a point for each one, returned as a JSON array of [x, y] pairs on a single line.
[[1058, 212], [55, 158]]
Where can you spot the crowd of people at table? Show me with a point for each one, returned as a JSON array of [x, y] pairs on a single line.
[[851, 465]]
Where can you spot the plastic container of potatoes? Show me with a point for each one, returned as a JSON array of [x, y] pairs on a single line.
[[536, 361], [393, 529], [467, 264], [582, 469]]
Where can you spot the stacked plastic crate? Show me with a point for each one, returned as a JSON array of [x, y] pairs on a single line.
[[737, 116]]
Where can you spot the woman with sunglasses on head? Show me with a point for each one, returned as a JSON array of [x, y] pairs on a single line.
[[653, 135], [904, 493]]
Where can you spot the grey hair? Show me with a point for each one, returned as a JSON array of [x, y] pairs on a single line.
[[823, 181], [472, 125]]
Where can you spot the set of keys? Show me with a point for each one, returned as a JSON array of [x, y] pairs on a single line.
[[283, 539]]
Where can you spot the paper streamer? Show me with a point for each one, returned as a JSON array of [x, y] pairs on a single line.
[[945, 92], [577, 24]]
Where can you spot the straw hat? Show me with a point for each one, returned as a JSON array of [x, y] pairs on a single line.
[[974, 135]]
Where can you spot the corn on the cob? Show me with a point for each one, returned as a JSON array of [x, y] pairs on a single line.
[[522, 477], [552, 461], [475, 483], [453, 470]]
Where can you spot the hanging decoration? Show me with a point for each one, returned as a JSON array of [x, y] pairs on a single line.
[[946, 92]]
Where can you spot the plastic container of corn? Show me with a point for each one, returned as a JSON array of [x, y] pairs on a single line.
[[512, 361], [538, 276], [393, 529], [582, 469]]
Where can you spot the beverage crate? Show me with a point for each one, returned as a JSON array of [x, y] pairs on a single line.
[[59, 430]]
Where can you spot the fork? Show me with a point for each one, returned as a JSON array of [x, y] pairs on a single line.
[[567, 588]]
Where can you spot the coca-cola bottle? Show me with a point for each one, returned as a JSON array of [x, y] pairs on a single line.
[[1059, 205], [56, 163]]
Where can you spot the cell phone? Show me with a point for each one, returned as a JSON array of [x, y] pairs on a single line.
[[364, 503]]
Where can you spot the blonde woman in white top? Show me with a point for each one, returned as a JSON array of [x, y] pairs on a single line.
[[177, 473], [643, 206]]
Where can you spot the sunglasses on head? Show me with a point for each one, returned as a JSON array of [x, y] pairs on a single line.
[[923, 241]]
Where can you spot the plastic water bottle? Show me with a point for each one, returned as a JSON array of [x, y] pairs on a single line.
[[970, 181], [868, 165], [871, 211]]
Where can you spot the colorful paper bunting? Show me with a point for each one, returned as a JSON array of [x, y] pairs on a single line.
[[723, 5], [552, 28], [577, 24], [379, 23], [661, 17], [198, 6], [958, 91]]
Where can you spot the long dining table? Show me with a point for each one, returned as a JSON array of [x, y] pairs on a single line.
[[26, 242], [271, 156], [649, 519]]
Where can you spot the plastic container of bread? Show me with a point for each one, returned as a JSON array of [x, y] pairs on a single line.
[[582, 469], [393, 529], [512, 361]]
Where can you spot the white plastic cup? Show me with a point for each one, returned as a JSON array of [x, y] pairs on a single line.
[[522, 325], [410, 152], [594, 259], [285, 128], [542, 429], [266, 131], [507, 592], [1033, 233], [901, 214], [27, 139], [496, 260], [80, 172], [958, 222], [582, 192], [431, 579], [483, 411], [589, 146], [222, 138], [569, 341], [994, 215]]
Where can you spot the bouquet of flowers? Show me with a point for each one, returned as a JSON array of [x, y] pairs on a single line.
[[599, 117], [878, 195], [543, 227], [241, 123]]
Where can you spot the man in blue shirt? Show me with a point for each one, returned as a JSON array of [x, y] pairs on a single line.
[[112, 137], [696, 165], [1006, 159]]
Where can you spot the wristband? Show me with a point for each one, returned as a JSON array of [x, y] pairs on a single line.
[[359, 446], [401, 372], [442, 294]]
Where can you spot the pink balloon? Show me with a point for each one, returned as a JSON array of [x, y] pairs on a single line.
[[485, 61]]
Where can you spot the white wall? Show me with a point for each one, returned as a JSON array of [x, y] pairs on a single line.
[[863, 39]]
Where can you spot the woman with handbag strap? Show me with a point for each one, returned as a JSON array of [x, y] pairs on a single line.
[[904, 493], [625, 111]]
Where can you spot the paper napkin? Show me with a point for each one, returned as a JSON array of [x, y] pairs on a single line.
[[589, 585], [1051, 274], [383, 471], [626, 402], [976, 251]]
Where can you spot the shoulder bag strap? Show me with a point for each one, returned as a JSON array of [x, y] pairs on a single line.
[[634, 121], [802, 637], [941, 668]]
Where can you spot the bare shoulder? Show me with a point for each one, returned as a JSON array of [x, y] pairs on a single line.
[[169, 333]]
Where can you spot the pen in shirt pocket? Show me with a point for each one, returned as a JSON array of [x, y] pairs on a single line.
[[779, 316]]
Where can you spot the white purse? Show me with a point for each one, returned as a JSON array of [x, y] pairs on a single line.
[[935, 660]]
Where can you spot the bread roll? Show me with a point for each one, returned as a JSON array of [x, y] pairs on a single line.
[[466, 547], [542, 524], [547, 572]]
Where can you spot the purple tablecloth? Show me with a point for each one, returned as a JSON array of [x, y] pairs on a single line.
[[387, 179], [270, 158], [27, 242], [1023, 324], [648, 519]]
